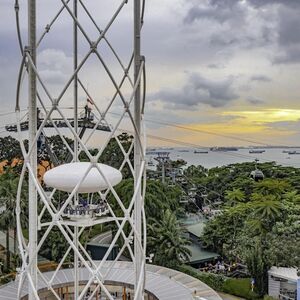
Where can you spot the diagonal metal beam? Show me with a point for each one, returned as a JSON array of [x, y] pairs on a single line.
[[134, 215]]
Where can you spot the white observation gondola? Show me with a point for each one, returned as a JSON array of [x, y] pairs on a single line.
[[89, 180]]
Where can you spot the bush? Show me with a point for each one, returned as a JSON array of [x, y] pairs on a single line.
[[7, 278], [239, 287], [214, 281], [235, 286]]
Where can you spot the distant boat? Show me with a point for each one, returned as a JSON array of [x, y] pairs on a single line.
[[200, 151], [183, 150], [224, 149], [293, 152], [168, 148], [285, 151], [257, 151]]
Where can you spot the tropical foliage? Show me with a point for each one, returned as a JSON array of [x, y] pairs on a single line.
[[167, 242], [8, 192], [165, 236], [260, 224]]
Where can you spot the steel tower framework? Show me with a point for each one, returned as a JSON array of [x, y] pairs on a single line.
[[43, 203]]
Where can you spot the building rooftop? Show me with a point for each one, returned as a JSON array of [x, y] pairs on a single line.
[[285, 273], [200, 255], [196, 229]]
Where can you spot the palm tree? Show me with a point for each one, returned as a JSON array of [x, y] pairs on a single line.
[[195, 171], [166, 240], [292, 196], [4, 225], [256, 226], [8, 191], [272, 187], [257, 267], [158, 198], [235, 196], [266, 207], [55, 246]]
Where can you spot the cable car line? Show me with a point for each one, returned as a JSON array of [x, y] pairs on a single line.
[[186, 144]]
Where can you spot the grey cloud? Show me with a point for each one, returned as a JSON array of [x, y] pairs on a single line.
[[254, 100], [215, 66], [53, 76], [268, 34], [55, 66], [220, 40], [267, 31], [260, 3], [153, 113], [10, 60], [288, 36], [261, 78], [226, 3], [196, 13], [236, 38], [220, 11], [285, 125], [198, 90], [233, 26], [289, 55], [255, 3], [289, 23]]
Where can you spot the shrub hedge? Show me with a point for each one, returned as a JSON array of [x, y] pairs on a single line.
[[235, 286]]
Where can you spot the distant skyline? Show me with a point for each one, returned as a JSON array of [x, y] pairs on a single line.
[[229, 67]]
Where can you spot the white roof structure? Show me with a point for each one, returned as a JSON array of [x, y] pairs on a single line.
[[285, 273], [164, 283], [90, 177]]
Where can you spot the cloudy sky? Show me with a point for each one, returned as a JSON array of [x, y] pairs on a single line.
[[226, 67]]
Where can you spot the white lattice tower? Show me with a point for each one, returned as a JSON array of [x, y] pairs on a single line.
[[42, 203]]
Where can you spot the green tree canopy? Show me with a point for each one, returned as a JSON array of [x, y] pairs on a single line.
[[167, 242]]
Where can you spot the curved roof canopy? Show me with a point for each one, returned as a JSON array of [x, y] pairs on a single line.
[[164, 283]]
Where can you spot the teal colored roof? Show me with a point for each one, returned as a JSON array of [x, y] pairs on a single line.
[[191, 219], [196, 229], [201, 255]]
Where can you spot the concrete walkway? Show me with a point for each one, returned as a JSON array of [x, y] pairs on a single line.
[[102, 238]]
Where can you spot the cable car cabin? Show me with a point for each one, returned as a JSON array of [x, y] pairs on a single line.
[[257, 175]]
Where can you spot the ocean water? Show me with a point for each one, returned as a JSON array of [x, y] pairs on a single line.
[[220, 158]]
